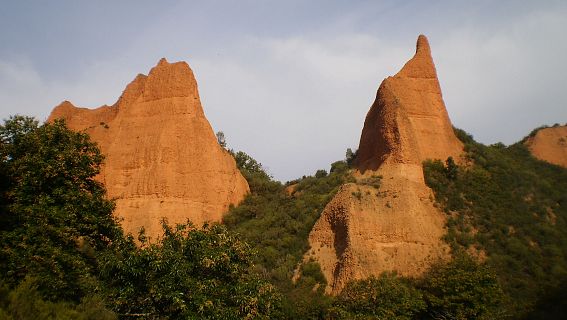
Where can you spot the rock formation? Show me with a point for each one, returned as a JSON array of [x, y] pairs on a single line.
[[162, 156], [550, 144], [408, 122], [387, 221]]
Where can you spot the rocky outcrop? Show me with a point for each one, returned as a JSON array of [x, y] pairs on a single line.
[[162, 157], [391, 223], [408, 121], [549, 144]]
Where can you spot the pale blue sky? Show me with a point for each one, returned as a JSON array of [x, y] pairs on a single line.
[[290, 82]]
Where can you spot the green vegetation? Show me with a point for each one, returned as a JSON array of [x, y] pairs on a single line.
[[54, 219], [188, 274], [350, 156], [386, 297], [513, 208], [373, 181], [277, 223], [460, 289], [221, 139], [25, 302], [65, 257]]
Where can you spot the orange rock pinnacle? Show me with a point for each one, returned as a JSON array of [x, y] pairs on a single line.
[[162, 156]]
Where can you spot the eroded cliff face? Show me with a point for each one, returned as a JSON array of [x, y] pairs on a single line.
[[162, 156], [550, 144], [365, 230], [408, 121]]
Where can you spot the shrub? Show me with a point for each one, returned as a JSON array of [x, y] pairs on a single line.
[[385, 297]]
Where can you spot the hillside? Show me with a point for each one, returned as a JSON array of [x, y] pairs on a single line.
[[505, 210], [511, 209]]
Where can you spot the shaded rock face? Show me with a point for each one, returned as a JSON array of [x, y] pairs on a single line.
[[366, 230], [162, 156], [550, 144]]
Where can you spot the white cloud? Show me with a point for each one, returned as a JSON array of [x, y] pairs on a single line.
[[500, 83], [296, 98], [19, 84], [299, 102], [24, 91]]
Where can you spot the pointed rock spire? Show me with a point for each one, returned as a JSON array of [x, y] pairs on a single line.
[[408, 121], [363, 232], [421, 65]]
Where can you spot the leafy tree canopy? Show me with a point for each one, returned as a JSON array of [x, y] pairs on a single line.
[[54, 217], [188, 274], [384, 297]]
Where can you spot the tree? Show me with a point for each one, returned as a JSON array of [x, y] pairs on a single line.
[[54, 214], [188, 274], [350, 156], [320, 173], [385, 297], [25, 302], [248, 164], [221, 139], [339, 167], [462, 289], [451, 168], [258, 179]]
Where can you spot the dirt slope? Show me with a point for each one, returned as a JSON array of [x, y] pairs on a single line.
[[550, 144]]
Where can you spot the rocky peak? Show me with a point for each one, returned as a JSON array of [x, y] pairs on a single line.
[[63, 108], [408, 121], [421, 65], [394, 225], [162, 156], [168, 80]]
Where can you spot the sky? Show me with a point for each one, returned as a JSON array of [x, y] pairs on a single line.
[[290, 82]]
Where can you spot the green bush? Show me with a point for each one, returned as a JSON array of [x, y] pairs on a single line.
[[25, 302], [189, 273], [462, 289], [374, 181], [385, 297]]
